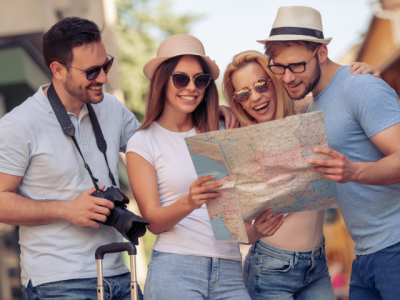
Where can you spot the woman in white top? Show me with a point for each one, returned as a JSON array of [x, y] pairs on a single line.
[[292, 263], [187, 261]]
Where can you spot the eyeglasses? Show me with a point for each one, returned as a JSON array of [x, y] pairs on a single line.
[[93, 73], [294, 68], [181, 81], [262, 85]]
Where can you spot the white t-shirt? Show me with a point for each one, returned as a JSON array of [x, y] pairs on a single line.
[[166, 151]]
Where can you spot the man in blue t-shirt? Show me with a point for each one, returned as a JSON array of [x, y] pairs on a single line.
[[362, 120]]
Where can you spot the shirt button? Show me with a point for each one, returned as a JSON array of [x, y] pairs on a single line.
[[82, 135]]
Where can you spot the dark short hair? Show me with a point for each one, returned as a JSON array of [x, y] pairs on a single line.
[[272, 49], [65, 35]]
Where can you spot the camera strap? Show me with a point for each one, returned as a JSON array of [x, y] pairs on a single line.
[[69, 130]]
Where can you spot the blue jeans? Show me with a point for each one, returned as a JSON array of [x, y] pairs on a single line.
[[115, 287], [272, 273], [376, 276], [184, 277]]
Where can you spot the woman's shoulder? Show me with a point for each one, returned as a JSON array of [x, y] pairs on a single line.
[[142, 137]]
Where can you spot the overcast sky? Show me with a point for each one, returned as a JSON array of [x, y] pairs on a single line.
[[233, 26]]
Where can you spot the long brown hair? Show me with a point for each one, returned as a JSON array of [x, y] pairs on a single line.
[[284, 106], [205, 117]]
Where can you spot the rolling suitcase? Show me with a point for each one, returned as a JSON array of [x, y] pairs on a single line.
[[115, 248]]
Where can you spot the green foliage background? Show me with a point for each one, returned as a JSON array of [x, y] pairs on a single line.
[[142, 26]]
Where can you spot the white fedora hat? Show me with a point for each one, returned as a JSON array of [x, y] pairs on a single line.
[[297, 23], [180, 44]]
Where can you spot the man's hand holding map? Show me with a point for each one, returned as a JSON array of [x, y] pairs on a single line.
[[262, 166]]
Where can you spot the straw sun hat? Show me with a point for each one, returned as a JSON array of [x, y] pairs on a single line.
[[297, 23], [180, 44]]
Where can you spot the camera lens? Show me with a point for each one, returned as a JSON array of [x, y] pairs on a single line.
[[131, 226], [136, 231]]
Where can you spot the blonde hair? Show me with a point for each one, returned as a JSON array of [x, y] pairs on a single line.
[[284, 106], [206, 115]]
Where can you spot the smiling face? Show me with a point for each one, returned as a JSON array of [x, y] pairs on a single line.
[[260, 106], [298, 85], [187, 99], [76, 84]]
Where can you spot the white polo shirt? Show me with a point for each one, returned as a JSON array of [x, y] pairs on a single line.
[[33, 145]]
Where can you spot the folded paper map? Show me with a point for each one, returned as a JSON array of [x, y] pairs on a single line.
[[262, 166]]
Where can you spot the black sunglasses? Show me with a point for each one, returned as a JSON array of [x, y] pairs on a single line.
[[181, 81], [92, 73]]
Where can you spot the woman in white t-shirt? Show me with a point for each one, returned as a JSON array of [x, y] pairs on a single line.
[[291, 264], [187, 261]]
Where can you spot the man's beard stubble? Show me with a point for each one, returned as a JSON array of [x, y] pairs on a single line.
[[77, 92], [309, 86]]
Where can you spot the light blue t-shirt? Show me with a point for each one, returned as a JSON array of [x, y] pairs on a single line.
[[32, 145], [355, 109]]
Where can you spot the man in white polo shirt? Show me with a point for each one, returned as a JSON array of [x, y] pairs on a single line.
[[44, 186]]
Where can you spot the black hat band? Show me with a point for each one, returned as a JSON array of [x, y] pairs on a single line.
[[297, 31]]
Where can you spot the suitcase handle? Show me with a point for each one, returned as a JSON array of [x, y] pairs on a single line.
[[115, 248]]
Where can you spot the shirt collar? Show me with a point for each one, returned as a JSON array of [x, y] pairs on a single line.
[[41, 98]]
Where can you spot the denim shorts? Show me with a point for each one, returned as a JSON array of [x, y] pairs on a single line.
[[183, 277], [115, 287], [376, 276], [272, 273]]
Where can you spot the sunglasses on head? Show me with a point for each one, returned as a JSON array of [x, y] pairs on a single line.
[[262, 85], [181, 81], [93, 73]]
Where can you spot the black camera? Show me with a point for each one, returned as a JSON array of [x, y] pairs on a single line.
[[125, 222], [131, 226]]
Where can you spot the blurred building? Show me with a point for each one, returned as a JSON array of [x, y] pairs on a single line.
[[381, 43], [22, 25], [10, 281], [339, 251], [22, 71]]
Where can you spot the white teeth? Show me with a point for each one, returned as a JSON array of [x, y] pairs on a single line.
[[95, 88], [261, 106], [292, 86], [188, 97]]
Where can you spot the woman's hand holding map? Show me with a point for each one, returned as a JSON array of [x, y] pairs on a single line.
[[199, 194], [262, 226]]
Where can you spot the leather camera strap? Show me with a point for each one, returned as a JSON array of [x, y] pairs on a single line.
[[69, 130]]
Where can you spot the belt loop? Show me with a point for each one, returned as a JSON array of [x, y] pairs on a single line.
[[296, 258]]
